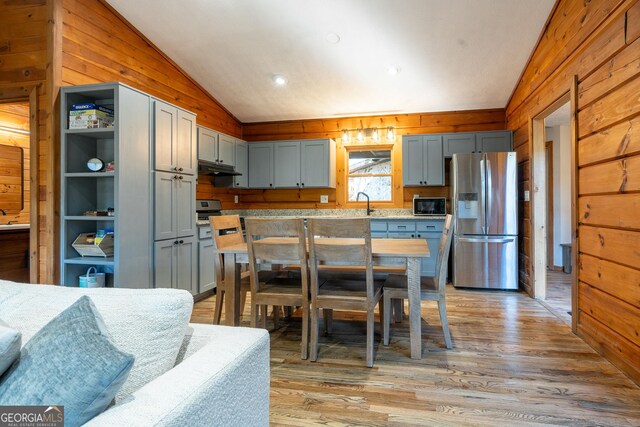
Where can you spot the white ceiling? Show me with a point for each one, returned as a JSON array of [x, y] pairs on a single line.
[[453, 54], [562, 116]]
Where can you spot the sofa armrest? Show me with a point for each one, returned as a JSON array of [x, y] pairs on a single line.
[[224, 383]]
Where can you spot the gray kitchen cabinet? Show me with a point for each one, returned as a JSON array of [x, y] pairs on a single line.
[[186, 146], [206, 267], [427, 229], [166, 135], [242, 165], [422, 160], [207, 144], [261, 165], [318, 163], [294, 164], [412, 160], [175, 261], [174, 139], [458, 143], [174, 205], [216, 147], [226, 149], [286, 173], [488, 142]]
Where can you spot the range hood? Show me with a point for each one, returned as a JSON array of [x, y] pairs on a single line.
[[216, 169]]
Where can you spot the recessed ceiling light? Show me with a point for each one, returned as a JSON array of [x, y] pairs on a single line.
[[332, 38], [279, 80], [393, 70]]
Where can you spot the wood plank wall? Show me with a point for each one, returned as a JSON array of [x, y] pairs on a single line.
[[26, 58], [16, 116], [599, 43], [455, 121]]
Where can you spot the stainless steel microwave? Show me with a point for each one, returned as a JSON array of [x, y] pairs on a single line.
[[430, 206]]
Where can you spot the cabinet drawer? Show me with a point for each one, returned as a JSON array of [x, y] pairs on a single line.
[[379, 234], [402, 235], [204, 232], [430, 226], [402, 226], [378, 226]]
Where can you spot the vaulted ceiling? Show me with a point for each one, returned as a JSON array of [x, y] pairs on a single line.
[[336, 55]]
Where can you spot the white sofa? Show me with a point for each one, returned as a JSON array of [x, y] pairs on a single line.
[[184, 374]]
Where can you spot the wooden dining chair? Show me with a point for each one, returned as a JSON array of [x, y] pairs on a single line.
[[226, 231], [431, 288], [342, 290], [281, 287]]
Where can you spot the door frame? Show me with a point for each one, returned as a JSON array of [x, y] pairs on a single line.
[[538, 244], [550, 226], [29, 93]]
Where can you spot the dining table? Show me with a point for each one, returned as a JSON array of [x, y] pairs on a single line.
[[407, 252]]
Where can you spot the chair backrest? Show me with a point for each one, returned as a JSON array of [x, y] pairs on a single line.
[[444, 248], [231, 229], [340, 241], [286, 246], [230, 225]]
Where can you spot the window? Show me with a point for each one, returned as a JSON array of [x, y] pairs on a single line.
[[370, 172]]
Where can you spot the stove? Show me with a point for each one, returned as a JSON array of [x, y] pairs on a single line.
[[205, 209]]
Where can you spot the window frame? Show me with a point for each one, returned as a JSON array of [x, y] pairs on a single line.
[[363, 203]]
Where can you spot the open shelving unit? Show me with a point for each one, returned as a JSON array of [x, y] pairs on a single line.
[[126, 189], [83, 190]]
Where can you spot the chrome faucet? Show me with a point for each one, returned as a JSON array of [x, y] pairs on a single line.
[[369, 210]]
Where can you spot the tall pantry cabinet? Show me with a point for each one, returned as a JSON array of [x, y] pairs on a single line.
[[175, 162], [151, 189]]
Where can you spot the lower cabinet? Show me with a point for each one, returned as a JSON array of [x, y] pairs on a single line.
[[428, 229], [206, 268], [175, 261]]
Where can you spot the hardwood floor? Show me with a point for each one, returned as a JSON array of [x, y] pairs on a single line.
[[513, 363], [558, 299]]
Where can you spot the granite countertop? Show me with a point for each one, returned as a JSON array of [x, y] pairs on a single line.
[[331, 213]]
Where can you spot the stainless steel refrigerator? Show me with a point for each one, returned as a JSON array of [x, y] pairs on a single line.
[[485, 206]]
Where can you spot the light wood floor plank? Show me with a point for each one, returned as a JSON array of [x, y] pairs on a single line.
[[513, 363]]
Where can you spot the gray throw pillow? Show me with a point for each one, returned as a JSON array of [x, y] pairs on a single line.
[[10, 341], [70, 362]]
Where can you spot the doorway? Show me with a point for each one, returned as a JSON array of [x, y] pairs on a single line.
[[16, 101], [553, 208], [15, 190], [558, 166]]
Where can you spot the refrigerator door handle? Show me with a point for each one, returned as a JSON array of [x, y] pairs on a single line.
[[486, 240], [489, 196], [483, 189]]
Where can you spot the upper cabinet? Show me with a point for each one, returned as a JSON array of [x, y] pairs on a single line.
[[293, 164], [175, 146], [286, 172], [422, 160], [318, 163], [216, 147], [226, 149], [489, 142], [476, 142], [261, 165], [242, 165], [458, 143], [207, 144]]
